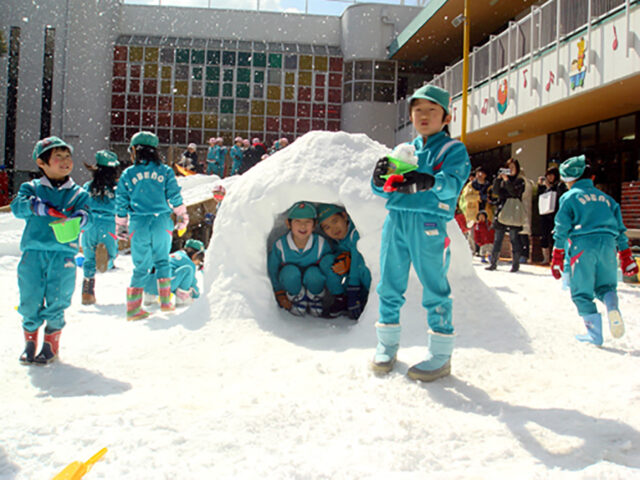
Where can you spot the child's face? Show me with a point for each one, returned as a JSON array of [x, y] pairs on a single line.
[[335, 227], [427, 117], [59, 166], [301, 228], [482, 218]]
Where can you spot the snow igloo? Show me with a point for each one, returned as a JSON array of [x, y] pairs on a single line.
[[319, 167]]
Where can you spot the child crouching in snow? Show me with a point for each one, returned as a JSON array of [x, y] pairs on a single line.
[[148, 192], [483, 235], [293, 262], [99, 242], [415, 230], [589, 223], [348, 278], [47, 269], [184, 283]]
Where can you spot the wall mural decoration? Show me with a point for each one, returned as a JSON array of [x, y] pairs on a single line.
[[552, 78], [503, 94], [578, 67]]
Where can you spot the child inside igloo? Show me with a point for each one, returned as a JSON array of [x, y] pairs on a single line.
[[321, 274]]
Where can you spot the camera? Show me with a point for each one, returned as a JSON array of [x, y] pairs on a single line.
[[504, 171]]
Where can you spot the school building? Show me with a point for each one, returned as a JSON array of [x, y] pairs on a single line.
[[546, 79]]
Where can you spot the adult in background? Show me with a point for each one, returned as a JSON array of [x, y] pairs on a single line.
[[252, 155], [550, 189], [508, 187], [527, 202]]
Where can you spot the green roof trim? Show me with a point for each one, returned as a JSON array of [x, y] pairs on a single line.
[[415, 25]]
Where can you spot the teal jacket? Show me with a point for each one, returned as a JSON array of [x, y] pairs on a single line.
[[236, 154], [451, 171], [585, 210], [102, 207], [179, 259], [68, 198], [284, 251], [350, 244], [145, 189]]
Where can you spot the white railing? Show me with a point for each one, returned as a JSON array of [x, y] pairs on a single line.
[[545, 27]]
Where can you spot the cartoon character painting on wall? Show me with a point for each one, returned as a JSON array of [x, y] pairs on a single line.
[[503, 94], [578, 68]]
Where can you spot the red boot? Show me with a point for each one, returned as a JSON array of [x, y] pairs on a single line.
[[49, 352], [30, 345]]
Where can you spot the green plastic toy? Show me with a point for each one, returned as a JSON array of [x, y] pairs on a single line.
[[67, 229]]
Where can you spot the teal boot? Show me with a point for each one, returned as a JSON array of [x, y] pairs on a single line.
[[593, 322], [616, 325], [439, 363], [387, 349]]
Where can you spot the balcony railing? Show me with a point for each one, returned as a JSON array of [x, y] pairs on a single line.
[[545, 27]]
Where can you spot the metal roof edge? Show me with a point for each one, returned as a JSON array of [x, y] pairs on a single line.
[[416, 24]]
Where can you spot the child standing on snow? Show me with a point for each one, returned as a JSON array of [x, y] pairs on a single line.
[[348, 278], [415, 230], [293, 262], [236, 155], [589, 223], [483, 235], [212, 157], [147, 192], [184, 283], [99, 241], [47, 270]]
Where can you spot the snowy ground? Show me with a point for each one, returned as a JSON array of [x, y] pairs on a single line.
[[231, 388]]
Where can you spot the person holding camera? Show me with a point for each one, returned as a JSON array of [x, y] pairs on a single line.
[[508, 187], [550, 189]]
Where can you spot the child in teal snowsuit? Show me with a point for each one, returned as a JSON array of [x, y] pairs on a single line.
[[101, 230], [415, 231], [236, 156], [184, 283], [212, 157], [589, 223], [293, 262], [147, 193], [221, 153], [47, 269], [348, 278]]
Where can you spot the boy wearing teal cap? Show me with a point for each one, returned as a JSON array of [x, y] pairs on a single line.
[[348, 278], [184, 282], [589, 223], [293, 263], [415, 231], [146, 195], [47, 269], [99, 241]]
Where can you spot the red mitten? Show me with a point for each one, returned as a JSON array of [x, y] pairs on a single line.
[[557, 263], [390, 184], [627, 263]]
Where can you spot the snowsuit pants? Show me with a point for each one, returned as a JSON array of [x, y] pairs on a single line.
[[419, 238], [336, 284], [181, 278], [213, 168], [293, 278], [514, 233], [235, 166], [150, 246], [593, 270], [100, 230], [46, 281]]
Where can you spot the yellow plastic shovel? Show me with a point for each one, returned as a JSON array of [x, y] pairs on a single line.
[[76, 470]]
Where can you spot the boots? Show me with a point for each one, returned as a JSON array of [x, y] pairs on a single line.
[[149, 299], [439, 363], [298, 303], [387, 349], [30, 345], [88, 291], [49, 352], [134, 304], [102, 258], [339, 306], [315, 303], [593, 322], [546, 256], [183, 297], [616, 325], [164, 292]]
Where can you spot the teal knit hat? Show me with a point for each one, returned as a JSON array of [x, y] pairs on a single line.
[[302, 210], [325, 210], [572, 168], [148, 139], [197, 245], [107, 158], [47, 144], [433, 94]]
